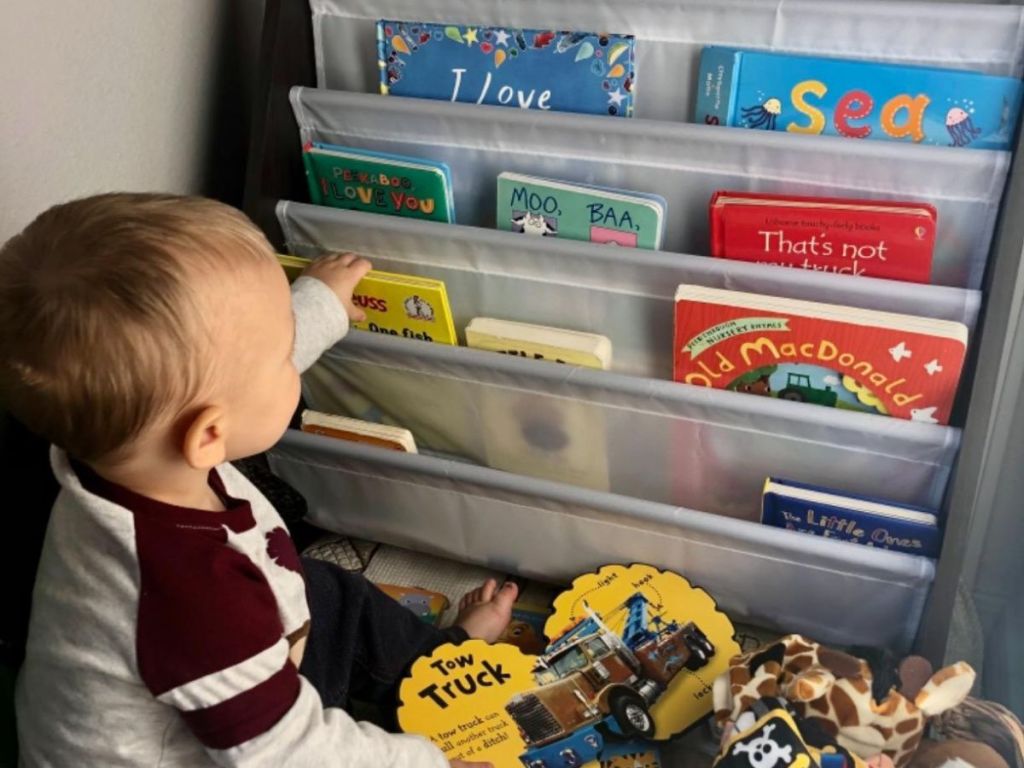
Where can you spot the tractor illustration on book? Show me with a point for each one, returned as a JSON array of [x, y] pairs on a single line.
[[799, 388], [594, 682]]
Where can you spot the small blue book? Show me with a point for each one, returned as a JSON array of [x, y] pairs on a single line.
[[871, 100], [527, 68], [848, 517]]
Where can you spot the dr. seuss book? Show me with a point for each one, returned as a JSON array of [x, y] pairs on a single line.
[[856, 99], [405, 305], [376, 182], [540, 342], [292, 265], [848, 517], [632, 656], [358, 431], [526, 68], [892, 240], [843, 357], [537, 206]]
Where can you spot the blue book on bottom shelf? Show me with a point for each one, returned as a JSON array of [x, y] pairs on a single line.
[[861, 519]]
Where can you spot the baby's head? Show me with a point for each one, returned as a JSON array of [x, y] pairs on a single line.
[[147, 325]]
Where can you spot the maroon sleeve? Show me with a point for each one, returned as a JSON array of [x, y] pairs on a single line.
[[210, 640]]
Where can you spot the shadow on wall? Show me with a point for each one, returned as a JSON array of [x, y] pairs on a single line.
[[236, 68], [24, 462]]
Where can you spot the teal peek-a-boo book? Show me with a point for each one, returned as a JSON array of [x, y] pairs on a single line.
[[856, 99], [536, 206], [362, 180]]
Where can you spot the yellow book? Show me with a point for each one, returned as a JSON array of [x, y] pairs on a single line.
[[292, 265], [540, 342], [400, 305], [405, 305]]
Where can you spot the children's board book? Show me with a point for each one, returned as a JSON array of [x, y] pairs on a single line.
[[427, 606], [536, 206], [404, 568], [405, 305], [529, 616], [629, 754], [292, 265], [540, 342], [843, 357], [892, 240], [344, 177], [526, 68], [857, 99], [632, 656], [860, 519], [356, 430]]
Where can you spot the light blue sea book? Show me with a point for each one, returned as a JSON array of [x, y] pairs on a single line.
[[526, 68], [856, 99]]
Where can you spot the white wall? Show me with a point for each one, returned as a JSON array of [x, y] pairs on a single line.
[[99, 95]]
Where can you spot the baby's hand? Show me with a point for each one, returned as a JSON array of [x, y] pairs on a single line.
[[341, 272], [465, 764]]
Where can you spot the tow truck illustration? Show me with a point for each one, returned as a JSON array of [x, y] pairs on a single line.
[[593, 682]]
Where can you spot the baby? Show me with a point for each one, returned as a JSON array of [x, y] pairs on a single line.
[[153, 339]]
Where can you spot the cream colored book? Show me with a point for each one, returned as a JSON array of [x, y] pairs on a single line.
[[540, 342], [344, 428]]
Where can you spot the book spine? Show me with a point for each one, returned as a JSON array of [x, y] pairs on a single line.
[[382, 57], [719, 74], [835, 522], [715, 224], [315, 193]]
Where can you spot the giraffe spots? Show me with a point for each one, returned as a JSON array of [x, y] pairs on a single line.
[[908, 726], [803, 690], [888, 706], [819, 705], [840, 664], [946, 674], [846, 712], [799, 664], [860, 685], [886, 732], [799, 645], [768, 687]]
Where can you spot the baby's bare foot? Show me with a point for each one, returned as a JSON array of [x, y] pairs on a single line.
[[486, 611]]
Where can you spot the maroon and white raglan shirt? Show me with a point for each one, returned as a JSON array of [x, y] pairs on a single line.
[[168, 637]]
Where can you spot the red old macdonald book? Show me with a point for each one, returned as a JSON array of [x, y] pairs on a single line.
[[856, 237], [826, 354]]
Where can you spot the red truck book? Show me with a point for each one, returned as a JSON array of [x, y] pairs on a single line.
[[892, 240]]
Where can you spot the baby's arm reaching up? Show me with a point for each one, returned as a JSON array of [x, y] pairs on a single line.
[[322, 304]]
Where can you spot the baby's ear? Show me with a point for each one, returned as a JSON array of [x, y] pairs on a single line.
[[205, 443]]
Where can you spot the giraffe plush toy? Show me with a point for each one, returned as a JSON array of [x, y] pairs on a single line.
[[832, 690]]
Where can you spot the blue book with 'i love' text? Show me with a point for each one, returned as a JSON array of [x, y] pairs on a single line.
[[507, 66]]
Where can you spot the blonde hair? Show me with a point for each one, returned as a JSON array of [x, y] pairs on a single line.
[[101, 315]]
